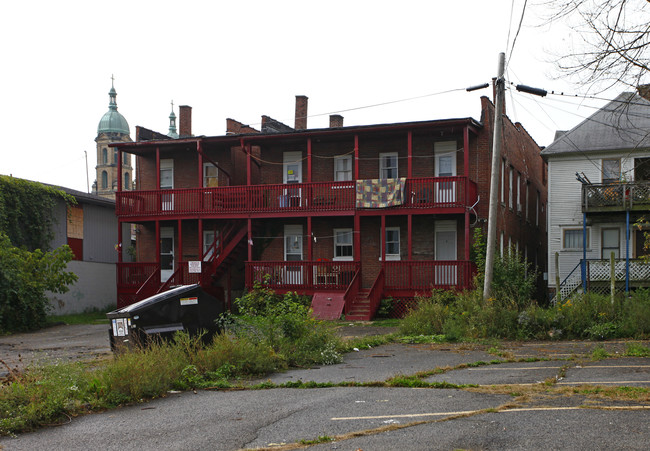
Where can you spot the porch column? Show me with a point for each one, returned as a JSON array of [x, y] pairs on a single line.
[[466, 159], [308, 160], [158, 243], [583, 265], [627, 251], [382, 239], [467, 235], [119, 169], [310, 252], [248, 162], [157, 167], [201, 240], [356, 157], [180, 248], [250, 240], [409, 226], [409, 152], [310, 241], [356, 238], [199, 151], [119, 241]]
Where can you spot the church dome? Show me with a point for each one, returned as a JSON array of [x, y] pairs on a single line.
[[112, 121]]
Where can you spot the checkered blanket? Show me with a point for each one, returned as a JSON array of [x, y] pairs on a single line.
[[380, 193]]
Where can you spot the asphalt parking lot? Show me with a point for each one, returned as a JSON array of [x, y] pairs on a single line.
[[533, 395]]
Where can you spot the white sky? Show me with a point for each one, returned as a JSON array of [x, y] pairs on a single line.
[[242, 59]]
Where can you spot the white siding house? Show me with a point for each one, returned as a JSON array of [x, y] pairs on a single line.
[[599, 172]]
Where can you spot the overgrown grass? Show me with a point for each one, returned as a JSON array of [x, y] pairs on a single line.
[[467, 316]]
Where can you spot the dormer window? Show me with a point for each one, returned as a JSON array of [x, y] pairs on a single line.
[[611, 170]]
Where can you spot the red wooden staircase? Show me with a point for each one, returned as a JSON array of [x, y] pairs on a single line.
[[360, 309]]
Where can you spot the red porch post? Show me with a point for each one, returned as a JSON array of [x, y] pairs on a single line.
[[201, 240], [157, 167], [158, 242], [308, 160], [409, 147], [409, 226], [356, 157], [382, 240], [310, 251], [250, 240], [248, 163], [119, 170], [356, 238], [466, 174], [119, 241], [180, 248], [199, 152]]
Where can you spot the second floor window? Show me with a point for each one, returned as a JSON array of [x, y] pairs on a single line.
[[104, 156], [388, 165], [210, 176], [611, 170], [343, 168]]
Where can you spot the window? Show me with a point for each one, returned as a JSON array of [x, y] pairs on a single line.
[[572, 238], [611, 171], [392, 243], [210, 176], [502, 244], [114, 156], [519, 192], [611, 243], [537, 210], [343, 168], [511, 175], [527, 187], [503, 181], [209, 244], [388, 165], [166, 174], [127, 181], [104, 156], [342, 244], [104, 180]]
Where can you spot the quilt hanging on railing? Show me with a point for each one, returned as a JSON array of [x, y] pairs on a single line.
[[380, 193]]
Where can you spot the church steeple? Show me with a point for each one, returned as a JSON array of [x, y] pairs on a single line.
[[172, 124], [112, 128]]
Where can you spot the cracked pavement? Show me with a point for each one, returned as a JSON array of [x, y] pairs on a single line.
[[545, 395]]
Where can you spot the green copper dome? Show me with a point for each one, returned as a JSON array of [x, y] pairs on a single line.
[[112, 121]]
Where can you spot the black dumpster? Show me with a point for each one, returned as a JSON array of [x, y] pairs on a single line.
[[184, 308]]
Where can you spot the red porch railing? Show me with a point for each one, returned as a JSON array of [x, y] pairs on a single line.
[[422, 276], [301, 275], [377, 291], [351, 292], [429, 192]]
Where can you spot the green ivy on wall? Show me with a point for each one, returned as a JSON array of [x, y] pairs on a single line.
[[27, 212]]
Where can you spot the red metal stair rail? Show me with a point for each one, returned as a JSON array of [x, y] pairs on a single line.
[[228, 239], [376, 292], [353, 289]]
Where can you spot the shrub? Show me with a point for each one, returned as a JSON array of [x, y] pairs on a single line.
[[25, 277]]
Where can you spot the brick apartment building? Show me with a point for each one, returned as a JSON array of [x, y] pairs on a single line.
[[349, 215]]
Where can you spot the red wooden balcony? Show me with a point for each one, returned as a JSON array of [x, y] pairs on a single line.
[[419, 193], [410, 277]]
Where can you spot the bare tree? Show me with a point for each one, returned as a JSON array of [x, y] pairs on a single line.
[[613, 41]]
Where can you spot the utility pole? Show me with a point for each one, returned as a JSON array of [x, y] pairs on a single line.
[[494, 179]]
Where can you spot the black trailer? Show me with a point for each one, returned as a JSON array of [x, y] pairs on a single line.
[[184, 308]]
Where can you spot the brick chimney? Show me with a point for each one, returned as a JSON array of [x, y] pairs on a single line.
[[644, 91], [184, 121], [336, 120], [301, 113]]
